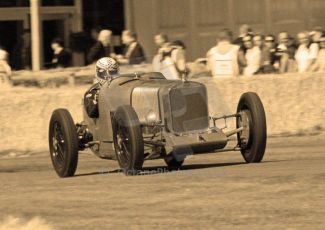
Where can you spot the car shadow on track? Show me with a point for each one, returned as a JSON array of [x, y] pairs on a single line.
[[164, 169]]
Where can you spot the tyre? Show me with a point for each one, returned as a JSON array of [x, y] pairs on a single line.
[[128, 140], [63, 143], [252, 139]]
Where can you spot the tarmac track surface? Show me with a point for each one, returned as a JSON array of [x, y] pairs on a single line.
[[212, 191]]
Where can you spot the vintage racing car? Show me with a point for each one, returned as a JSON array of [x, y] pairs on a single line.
[[144, 116]]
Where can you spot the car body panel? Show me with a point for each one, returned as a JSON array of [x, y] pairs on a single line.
[[181, 107]]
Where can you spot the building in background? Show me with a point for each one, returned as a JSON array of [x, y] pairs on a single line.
[[196, 22], [59, 18]]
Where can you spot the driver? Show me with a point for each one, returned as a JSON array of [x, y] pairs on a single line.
[[106, 70]]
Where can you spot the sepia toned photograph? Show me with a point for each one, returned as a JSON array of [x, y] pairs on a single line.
[[162, 114]]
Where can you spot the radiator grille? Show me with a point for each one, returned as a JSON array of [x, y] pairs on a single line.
[[189, 109]]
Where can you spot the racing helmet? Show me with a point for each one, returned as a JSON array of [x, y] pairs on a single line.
[[106, 69]]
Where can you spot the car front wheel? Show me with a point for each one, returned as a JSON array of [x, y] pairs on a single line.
[[128, 140], [63, 143], [252, 139]]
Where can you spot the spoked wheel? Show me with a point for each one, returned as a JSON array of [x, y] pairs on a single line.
[[63, 143], [252, 139], [128, 140]]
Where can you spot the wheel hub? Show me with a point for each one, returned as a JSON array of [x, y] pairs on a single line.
[[244, 134], [55, 146]]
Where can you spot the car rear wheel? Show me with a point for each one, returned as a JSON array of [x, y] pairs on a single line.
[[63, 143], [252, 139], [128, 140]]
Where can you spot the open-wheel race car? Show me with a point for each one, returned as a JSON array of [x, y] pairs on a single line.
[[144, 116]]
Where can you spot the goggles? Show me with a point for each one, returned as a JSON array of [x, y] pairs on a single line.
[[105, 74]]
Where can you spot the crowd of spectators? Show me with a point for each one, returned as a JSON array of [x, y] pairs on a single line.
[[255, 53], [249, 54]]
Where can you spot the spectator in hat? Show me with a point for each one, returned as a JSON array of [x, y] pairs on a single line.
[[302, 56], [61, 56], [133, 52], [316, 35], [102, 48], [314, 47], [285, 51]]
